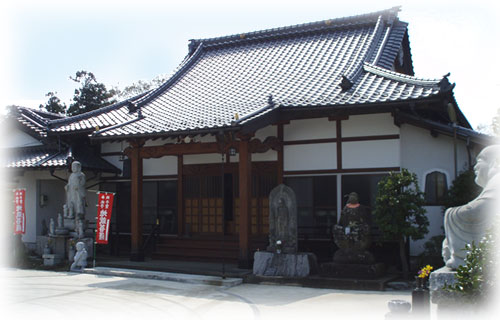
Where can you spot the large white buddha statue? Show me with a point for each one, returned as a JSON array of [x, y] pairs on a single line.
[[468, 223]]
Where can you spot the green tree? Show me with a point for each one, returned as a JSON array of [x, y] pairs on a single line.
[[399, 211], [91, 95], [54, 104], [463, 190], [141, 86]]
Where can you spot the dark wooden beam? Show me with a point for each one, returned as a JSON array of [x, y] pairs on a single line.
[[180, 196], [245, 186], [280, 154], [136, 253], [339, 143]]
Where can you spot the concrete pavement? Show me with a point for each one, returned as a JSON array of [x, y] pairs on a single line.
[[62, 295]]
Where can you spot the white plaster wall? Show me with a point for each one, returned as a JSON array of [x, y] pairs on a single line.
[[371, 154], [270, 155], [202, 158], [369, 125], [160, 166], [113, 146], [17, 139], [320, 128], [310, 156], [269, 131], [114, 160], [421, 154]]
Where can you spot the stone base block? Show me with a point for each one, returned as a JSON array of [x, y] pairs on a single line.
[[437, 280], [52, 259], [284, 264], [341, 270]]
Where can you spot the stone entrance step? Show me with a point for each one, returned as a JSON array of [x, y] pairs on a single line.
[[167, 276]]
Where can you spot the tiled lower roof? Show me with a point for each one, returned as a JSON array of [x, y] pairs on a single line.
[[46, 157]]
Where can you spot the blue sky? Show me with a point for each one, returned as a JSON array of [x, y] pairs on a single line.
[[121, 42]]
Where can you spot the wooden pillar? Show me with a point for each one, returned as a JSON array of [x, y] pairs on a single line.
[[280, 154], [180, 197], [136, 253], [245, 185]]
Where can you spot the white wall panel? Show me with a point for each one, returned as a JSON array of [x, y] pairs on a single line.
[[269, 131], [370, 154], [270, 155], [19, 139], [369, 125], [160, 166], [309, 129], [310, 157]]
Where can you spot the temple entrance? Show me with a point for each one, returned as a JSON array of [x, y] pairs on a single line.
[[211, 202]]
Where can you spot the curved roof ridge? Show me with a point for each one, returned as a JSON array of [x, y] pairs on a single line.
[[393, 75], [328, 24], [59, 122], [180, 70]]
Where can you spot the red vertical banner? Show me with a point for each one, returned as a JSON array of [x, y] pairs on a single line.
[[104, 209], [19, 211]]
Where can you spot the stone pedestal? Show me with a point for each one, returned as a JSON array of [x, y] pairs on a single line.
[[437, 280], [59, 244], [284, 264], [52, 259], [348, 270]]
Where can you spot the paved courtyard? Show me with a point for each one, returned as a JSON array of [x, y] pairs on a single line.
[[61, 295]]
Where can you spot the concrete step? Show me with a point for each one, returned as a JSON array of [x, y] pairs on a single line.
[[167, 276]]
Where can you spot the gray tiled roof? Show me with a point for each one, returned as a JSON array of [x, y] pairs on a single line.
[[47, 157], [247, 75], [34, 121]]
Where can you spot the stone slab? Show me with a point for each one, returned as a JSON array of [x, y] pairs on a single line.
[[363, 271], [167, 276], [284, 264]]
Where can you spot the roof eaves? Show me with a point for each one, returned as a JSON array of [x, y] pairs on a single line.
[[54, 124], [396, 76]]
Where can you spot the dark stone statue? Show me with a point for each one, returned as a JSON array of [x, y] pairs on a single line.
[[352, 233], [282, 220]]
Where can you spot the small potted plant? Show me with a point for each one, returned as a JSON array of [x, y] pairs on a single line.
[[420, 295], [423, 276]]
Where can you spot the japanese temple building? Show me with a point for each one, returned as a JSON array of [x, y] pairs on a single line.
[[327, 108]]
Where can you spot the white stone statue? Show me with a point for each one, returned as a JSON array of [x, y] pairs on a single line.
[[75, 192], [80, 259], [468, 223], [52, 227]]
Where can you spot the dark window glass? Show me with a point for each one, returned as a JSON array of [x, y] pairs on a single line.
[[436, 188], [316, 204]]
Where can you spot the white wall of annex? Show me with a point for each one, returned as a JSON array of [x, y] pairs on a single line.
[[114, 160], [160, 166], [29, 181], [19, 139], [320, 128], [310, 156], [421, 154], [371, 154], [369, 125], [113, 146]]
